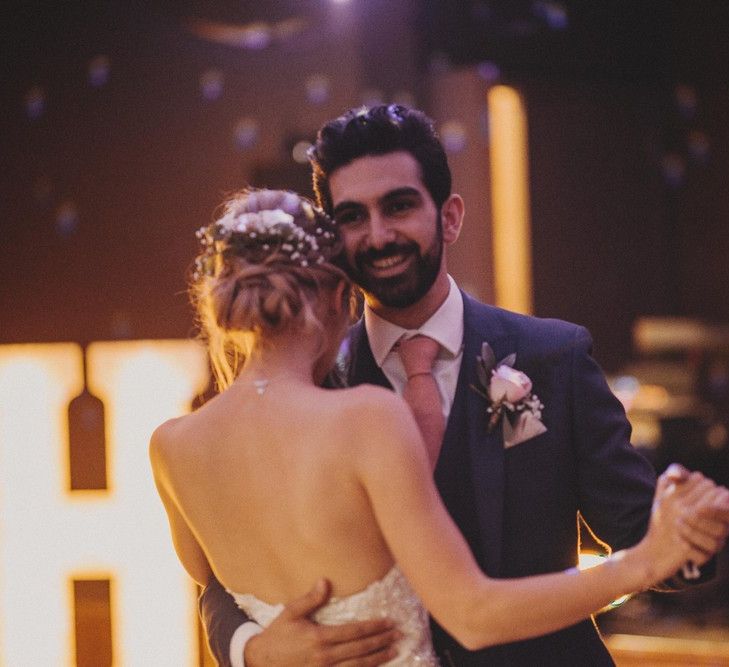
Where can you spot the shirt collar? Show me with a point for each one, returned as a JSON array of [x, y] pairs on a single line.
[[445, 326]]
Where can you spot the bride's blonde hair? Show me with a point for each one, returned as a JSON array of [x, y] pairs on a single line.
[[266, 268]]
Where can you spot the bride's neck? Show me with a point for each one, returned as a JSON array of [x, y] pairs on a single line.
[[288, 360]]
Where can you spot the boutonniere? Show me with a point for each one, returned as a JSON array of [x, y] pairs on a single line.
[[509, 392]]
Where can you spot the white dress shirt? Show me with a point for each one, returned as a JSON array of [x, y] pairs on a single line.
[[444, 326]]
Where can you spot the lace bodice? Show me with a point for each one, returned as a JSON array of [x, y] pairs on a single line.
[[390, 596]]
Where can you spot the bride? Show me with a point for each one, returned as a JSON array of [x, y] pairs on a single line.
[[297, 481]]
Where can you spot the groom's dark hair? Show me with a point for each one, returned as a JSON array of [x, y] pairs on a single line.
[[382, 129]]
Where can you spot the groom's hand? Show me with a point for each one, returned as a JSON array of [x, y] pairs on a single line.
[[294, 640]]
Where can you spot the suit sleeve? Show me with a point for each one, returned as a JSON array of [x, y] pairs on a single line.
[[615, 482], [221, 618]]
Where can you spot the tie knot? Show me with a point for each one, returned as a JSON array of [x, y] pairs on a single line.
[[418, 354]]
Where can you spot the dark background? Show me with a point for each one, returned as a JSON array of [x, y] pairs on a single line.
[[101, 192]]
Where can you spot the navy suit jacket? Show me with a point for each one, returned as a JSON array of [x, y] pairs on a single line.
[[518, 507]]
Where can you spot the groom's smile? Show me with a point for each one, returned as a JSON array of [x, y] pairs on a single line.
[[390, 226], [388, 261]]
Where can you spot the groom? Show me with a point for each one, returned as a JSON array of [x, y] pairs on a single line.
[[515, 495]]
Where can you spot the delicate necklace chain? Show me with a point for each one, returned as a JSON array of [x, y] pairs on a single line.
[[260, 386]]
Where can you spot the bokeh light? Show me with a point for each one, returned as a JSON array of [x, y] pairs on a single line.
[[687, 100], [99, 69], [300, 151], [673, 168], [35, 102], [318, 88], [51, 536], [256, 36], [454, 136], [488, 71], [67, 218], [699, 146], [211, 84], [246, 133], [554, 14]]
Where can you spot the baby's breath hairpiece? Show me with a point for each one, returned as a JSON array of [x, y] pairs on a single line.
[[303, 233]]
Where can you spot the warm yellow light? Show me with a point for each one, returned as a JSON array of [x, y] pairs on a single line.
[[49, 535], [511, 223], [590, 559]]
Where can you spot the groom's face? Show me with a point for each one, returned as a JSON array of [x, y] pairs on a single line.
[[391, 228]]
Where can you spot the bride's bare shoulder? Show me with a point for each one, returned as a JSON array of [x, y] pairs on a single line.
[[372, 397], [379, 411], [169, 439]]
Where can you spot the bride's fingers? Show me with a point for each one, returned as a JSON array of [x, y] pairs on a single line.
[[710, 520], [711, 505], [707, 522], [705, 542], [673, 474], [715, 507], [722, 498], [686, 493], [695, 488]]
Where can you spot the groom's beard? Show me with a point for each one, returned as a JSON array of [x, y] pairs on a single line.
[[408, 287]]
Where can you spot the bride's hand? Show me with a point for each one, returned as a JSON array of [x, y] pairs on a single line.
[[705, 521], [689, 522]]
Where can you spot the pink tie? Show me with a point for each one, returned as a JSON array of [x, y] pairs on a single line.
[[418, 355]]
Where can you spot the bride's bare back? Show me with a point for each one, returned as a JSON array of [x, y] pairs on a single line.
[[269, 485]]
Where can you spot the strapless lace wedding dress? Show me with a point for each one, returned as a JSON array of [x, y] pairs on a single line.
[[390, 596]]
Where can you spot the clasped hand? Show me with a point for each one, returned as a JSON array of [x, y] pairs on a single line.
[[690, 519]]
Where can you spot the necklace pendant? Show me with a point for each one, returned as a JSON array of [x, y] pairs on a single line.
[[260, 386]]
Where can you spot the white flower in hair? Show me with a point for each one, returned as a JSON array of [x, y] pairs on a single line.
[[260, 221], [306, 234]]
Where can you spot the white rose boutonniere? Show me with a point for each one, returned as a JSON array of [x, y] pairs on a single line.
[[509, 391]]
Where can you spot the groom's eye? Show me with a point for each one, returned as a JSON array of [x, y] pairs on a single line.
[[348, 216], [399, 206]]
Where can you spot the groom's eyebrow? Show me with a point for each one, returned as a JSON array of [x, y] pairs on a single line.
[[405, 191], [345, 206]]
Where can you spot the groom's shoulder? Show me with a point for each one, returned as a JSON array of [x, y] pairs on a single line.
[[529, 328]]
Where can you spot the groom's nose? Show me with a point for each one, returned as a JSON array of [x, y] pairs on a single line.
[[379, 232]]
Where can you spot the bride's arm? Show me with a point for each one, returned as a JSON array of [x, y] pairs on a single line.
[[434, 556], [188, 549]]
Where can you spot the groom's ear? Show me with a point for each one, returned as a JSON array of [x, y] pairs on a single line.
[[451, 215], [340, 302]]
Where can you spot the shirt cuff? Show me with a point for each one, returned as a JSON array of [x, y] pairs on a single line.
[[239, 640]]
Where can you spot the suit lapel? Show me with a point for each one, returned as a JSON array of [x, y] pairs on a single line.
[[486, 449]]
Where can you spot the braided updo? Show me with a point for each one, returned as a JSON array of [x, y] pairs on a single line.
[[264, 267]]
